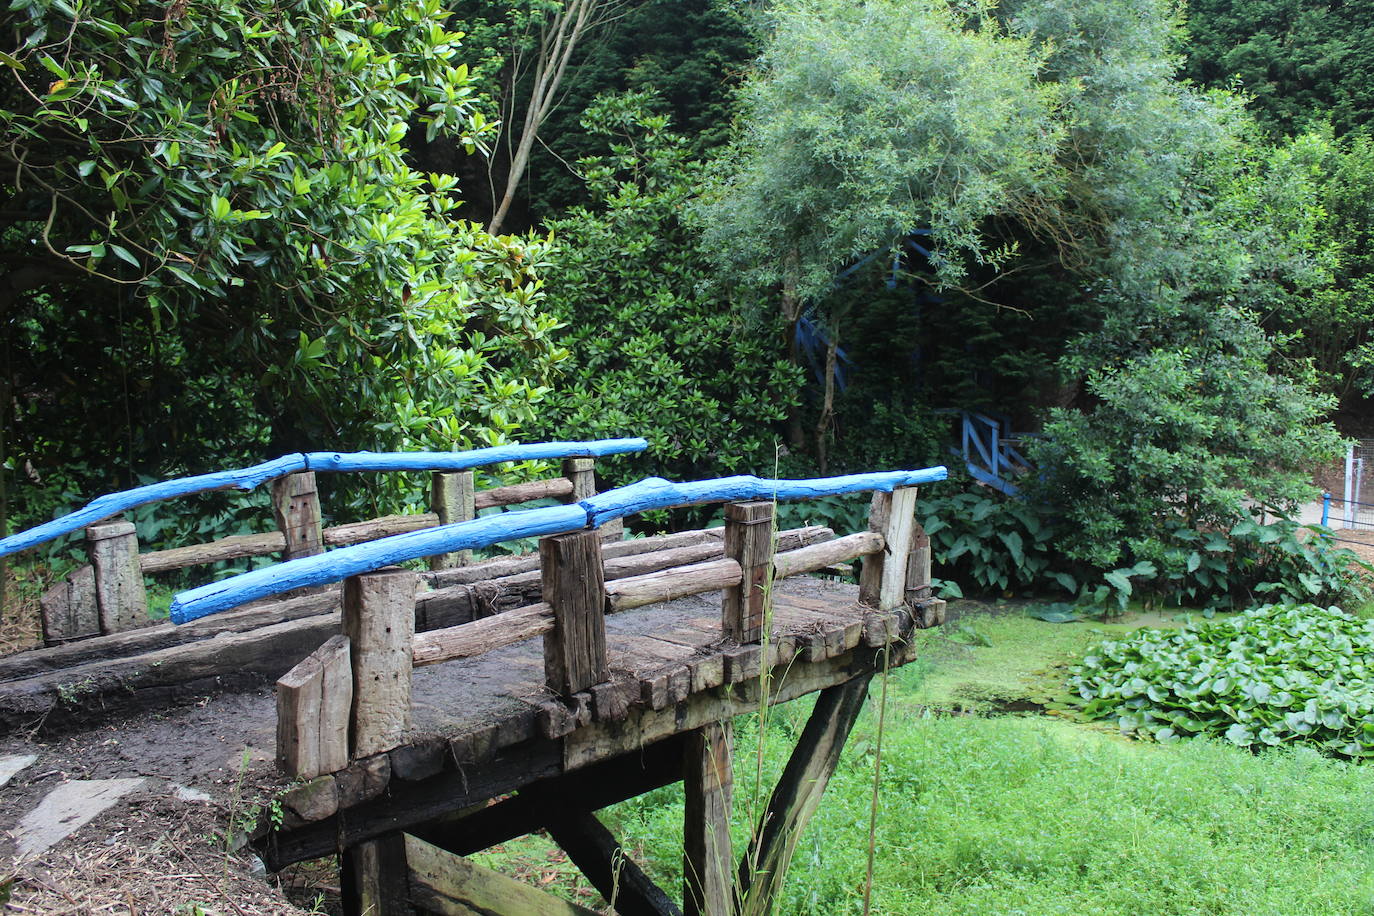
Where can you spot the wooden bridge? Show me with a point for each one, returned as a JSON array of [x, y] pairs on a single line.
[[436, 713]]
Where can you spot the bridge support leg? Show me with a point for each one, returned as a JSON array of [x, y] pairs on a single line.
[[798, 794], [374, 878], [598, 855], [708, 783]]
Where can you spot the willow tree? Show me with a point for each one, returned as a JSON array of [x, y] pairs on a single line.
[[866, 121], [1057, 129]]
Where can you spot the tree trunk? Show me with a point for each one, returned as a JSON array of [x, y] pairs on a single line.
[[827, 403]]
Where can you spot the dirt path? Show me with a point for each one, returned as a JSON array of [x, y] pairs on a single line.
[[162, 847]]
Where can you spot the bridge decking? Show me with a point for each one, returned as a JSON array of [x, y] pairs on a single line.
[[487, 726]]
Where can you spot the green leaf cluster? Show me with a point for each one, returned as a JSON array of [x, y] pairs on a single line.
[[660, 348], [211, 236], [1277, 674]]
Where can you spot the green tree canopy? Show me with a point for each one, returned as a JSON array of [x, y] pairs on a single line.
[[210, 238]]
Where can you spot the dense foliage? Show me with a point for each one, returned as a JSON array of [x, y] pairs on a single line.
[[212, 241], [1267, 676], [658, 348], [1297, 60]]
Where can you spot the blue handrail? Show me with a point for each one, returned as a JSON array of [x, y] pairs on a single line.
[[652, 493], [250, 477]]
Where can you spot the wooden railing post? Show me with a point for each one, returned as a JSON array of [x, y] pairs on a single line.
[[296, 505], [574, 585], [582, 473], [379, 621], [882, 582], [749, 542], [119, 593], [920, 596], [451, 497]]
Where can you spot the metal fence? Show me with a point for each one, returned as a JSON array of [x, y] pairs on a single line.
[[1350, 502]]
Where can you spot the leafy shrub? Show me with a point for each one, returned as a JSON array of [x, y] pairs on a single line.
[[993, 544], [660, 348], [1268, 676]]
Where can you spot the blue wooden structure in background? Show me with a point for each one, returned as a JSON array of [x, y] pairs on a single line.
[[989, 450]]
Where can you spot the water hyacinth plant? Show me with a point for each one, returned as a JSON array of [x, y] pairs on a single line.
[[1270, 675]]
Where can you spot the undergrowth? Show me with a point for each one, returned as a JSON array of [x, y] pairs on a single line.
[[1036, 814]]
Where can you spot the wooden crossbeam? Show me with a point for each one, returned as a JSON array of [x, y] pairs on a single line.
[[798, 794], [594, 787], [598, 854], [451, 886]]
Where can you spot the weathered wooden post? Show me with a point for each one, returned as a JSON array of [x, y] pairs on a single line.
[[119, 593], [314, 706], [379, 622], [296, 505], [883, 579], [69, 608], [582, 473], [748, 541], [573, 582], [708, 869], [920, 597], [451, 497]]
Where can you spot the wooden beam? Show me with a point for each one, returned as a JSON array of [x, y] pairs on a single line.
[[573, 585], [708, 784], [451, 886], [379, 620], [478, 636], [597, 853], [821, 556], [375, 528], [670, 584], [798, 794], [155, 678], [510, 566], [403, 805], [374, 878], [749, 542], [593, 787], [119, 592], [231, 548], [296, 505], [553, 488]]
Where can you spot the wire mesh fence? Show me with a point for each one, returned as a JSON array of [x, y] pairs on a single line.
[[1352, 506]]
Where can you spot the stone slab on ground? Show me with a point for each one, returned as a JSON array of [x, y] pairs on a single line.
[[13, 764], [67, 809]]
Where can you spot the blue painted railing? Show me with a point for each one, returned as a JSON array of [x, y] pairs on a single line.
[[248, 478], [653, 493], [989, 451]]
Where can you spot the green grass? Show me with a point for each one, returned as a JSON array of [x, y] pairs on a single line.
[[1033, 814]]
